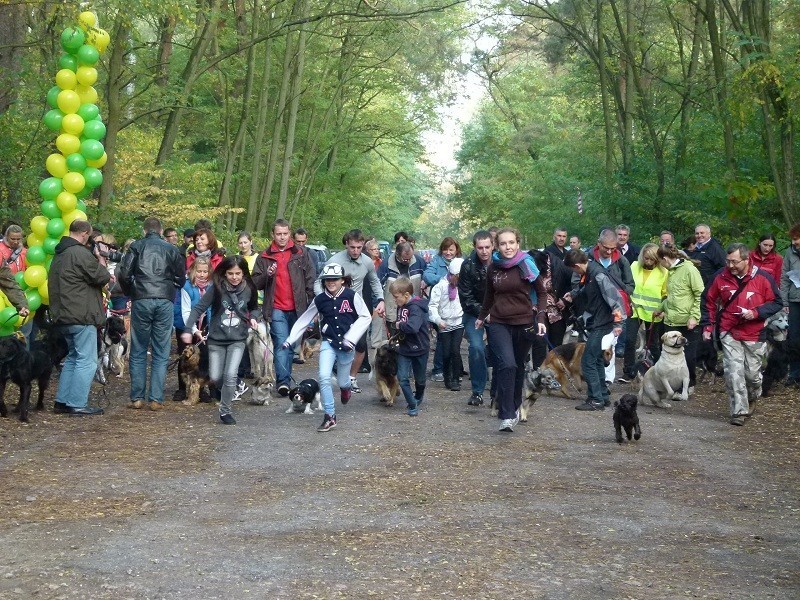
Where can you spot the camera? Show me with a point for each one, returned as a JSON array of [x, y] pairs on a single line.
[[108, 251]]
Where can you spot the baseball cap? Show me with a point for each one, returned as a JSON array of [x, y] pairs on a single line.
[[332, 271]]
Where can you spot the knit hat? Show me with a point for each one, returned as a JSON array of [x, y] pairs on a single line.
[[455, 266]]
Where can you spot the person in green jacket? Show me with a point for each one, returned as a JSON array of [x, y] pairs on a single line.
[[681, 308]]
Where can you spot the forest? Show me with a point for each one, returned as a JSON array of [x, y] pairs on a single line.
[[655, 113]]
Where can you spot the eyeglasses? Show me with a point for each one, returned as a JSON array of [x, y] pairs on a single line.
[[734, 262], [610, 249]]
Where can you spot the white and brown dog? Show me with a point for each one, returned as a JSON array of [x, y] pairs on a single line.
[[669, 374]]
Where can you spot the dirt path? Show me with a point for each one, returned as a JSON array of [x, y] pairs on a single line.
[[137, 504]]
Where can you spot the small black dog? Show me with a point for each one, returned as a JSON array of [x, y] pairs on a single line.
[[23, 368], [303, 395], [625, 417]]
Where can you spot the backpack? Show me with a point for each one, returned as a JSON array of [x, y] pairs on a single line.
[[624, 295]]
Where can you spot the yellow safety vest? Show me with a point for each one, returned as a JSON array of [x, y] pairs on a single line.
[[647, 295]]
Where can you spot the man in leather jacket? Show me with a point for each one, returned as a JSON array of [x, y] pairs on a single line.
[[150, 273]]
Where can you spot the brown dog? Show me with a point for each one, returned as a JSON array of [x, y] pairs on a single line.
[[386, 372], [192, 375], [564, 364]]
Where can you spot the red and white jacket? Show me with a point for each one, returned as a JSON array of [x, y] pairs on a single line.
[[760, 293]]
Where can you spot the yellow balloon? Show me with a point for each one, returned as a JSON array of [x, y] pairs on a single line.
[[38, 228], [35, 240], [72, 124], [68, 101], [66, 79], [68, 144], [73, 182], [86, 95], [44, 293], [87, 20], [99, 38], [99, 163], [56, 165], [72, 216], [35, 275], [3, 301], [66, 202], [86, 75]]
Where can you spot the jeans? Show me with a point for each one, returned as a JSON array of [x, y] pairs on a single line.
[[406, 365], [594, 367], [151, 327], [478, 369], [80, 365], [223, 370], [451, 356], [280, 326], [511, 345], [328, 356]]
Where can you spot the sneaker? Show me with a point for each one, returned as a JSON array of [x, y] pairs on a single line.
[[283, 390], [737, 420], [345, 394], [354, 385], [507, 425], [328, 423], [241, 389], [413, 411], [590, 406], [227, 419], [476, 400], [516, 419], [437, 377], [625, 379]]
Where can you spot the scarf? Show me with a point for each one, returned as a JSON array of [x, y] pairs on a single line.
[[521, 259], [201, 284], [452, 289], [204, 253]]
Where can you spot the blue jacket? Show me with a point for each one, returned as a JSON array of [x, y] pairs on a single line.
[[435, 270], [412, 321]]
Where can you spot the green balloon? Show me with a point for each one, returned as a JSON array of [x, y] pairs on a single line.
[[20, 277], [76, 163], [88, 55], [48, 261], [92, 149], [52, 119], [72, 39], [52, 96], [81, 204], [67, 61], [55, 228], [94, 130], [50, 209], [35, 256], [34, 299], [50, 247], [8, 316], [88, 112], [50, 188], [93, 177]]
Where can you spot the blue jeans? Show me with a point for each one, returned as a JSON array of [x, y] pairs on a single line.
[[478, 371], [511, 345], [80, 365], [151, 327], [594, 367], [328, 355], [279, 328], [223, 370], [407, 365]]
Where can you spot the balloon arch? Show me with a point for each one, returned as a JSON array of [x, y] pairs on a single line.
[[75, 168]]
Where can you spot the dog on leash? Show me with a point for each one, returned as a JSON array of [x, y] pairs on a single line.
[[115, 345], [777, 368], [707, 362], [535, 381], [669, 374], [563, 363], [259, 347], [23, 368], [192, 375], [303, 395], [625, 417], [385, 368]]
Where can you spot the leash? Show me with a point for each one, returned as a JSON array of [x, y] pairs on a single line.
[[171, 366], [561, 364]]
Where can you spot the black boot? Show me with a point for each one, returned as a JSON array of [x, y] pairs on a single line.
[[419, 393]]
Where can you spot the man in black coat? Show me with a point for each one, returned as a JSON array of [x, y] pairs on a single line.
[[559, 246], [628, 249]]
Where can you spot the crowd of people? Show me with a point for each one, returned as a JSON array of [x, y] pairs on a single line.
[[511, 304]]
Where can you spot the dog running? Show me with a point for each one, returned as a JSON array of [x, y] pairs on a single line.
[[626, 417], [303, 395], [386, 372], [563, 363]]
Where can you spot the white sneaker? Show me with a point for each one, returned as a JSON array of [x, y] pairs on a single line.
[[507, 425], [354, 385], [241, 390]]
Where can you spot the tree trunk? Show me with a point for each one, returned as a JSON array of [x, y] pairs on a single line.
[[13, 26], [166, 27], [721, 89], [608, 126]]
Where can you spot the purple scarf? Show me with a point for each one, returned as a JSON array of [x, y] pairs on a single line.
[[521, 259]]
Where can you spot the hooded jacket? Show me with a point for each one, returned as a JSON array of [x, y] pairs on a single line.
[[684, 288], [472, 284], [772, 263], [791, 263], [412, 321], [75, 285], [389, 271]]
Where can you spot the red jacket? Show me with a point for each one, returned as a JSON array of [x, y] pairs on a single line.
[[772, 263], [760, 293]]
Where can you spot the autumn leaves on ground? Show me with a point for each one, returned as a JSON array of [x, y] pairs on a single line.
[[136, 504]]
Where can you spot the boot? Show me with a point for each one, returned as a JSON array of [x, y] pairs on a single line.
[[419, 392]]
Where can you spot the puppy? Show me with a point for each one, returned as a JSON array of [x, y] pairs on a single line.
[[259, 346], [116, 345], [385, 369], [303, 395], [192, 375], [564, 364], [23, 368], [625, 417], [777, 368], [668, 374]]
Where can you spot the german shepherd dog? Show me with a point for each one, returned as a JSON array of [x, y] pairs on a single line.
[[192, 375], [23, 368], [386, 371], [563, 363]]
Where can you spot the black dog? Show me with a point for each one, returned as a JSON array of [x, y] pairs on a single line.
[[23, 368], [302, 395], [707, 360], [777, 368], [50, 339], [625, 417]]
